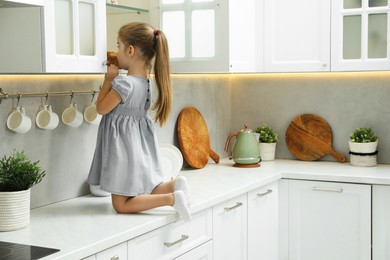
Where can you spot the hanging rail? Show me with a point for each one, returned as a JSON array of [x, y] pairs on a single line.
[[5, 95]]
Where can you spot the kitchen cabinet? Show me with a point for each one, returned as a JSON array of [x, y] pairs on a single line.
[[380, 222], [263, 223], [211, 36], [296, 35], [174, 239], [360, 35], [60, 36], [328, 220], [75, 36], [230, 229]]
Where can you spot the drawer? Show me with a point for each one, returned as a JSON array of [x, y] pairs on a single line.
[[172, 240], [118, 252]]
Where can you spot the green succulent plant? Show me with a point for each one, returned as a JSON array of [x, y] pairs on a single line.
[[267, 134], [363, 135], [18, 173]]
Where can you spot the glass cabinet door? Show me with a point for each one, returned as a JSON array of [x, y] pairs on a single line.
[[360, 35], [75, 39]]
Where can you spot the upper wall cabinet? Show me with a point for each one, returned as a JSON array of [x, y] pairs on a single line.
[[297, 35], [53, 36], [360, 35], [276, 35], [210, 35], [75, 36]]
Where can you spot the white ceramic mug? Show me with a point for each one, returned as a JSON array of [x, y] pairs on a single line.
[[46, 118], [91, 115], [71, 116], [18, 122]]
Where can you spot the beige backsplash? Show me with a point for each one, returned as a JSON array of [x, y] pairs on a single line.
[[227, 102]]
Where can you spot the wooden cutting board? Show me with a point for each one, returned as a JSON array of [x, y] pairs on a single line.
[[194, 138], [309, 138]]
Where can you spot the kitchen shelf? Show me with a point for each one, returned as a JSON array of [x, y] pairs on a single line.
[[122, 9]]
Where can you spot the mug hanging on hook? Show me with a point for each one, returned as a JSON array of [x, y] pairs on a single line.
[[17, 120], [46, 118], [90, 113]]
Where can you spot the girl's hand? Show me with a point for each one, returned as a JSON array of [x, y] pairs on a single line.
[[112, 72]]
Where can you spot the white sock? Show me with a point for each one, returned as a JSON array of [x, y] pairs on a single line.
[[181, 205], [181, 184]]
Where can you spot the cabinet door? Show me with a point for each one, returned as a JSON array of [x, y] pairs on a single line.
[[202, 252], [263, 223], [360, 35], [75, 36], [297, 35], [230, 229], [118, 252], [380, 222], [329, 221]]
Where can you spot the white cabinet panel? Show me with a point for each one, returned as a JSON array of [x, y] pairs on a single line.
[[297, 35], [263, 223], [230, 229], [329, 221], [381, 222]]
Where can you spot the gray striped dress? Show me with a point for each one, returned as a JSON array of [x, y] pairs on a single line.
[[126, 160]]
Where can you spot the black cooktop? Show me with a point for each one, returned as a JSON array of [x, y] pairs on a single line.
[[13, 251]]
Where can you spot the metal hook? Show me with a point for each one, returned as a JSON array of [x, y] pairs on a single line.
[[47, 97], [93, 95], [19, 97], [3, 95], [71, 97]]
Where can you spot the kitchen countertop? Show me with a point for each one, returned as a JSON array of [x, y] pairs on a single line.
[[85, 225]]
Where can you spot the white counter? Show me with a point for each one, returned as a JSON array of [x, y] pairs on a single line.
[[86, 225]]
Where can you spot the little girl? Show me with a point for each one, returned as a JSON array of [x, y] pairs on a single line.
[[126, 162]]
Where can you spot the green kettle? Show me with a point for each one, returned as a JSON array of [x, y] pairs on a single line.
[[246, 152]]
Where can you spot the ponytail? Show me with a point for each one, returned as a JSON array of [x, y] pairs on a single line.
[[153, 44], [162, 76]]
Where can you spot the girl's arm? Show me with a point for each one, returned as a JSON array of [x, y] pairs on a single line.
[[108, 98]]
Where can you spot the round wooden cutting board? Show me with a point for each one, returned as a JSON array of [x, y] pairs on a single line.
[[309, 137], [194, 138]]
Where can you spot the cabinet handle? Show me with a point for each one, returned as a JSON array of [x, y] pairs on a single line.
[[169, 244], [264, 193], [238, 204], [327, 189], [115, 258]]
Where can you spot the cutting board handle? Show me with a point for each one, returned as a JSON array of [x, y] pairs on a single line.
[[214, 156], [338, 156]]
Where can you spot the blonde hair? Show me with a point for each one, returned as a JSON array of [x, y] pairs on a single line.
[[153, 46]]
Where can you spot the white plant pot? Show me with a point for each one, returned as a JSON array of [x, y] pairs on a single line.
[[363, 154], [14, 210], [267, 151]]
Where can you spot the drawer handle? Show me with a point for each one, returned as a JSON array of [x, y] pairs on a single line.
[[327, 189], [264, 193], [115, 258], [169, 244], [239, 204]]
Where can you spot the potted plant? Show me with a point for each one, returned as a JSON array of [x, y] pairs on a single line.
[[17, 175], [363, 144], [267, 142]]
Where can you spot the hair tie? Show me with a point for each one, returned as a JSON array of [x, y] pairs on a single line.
[[155, 32]]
